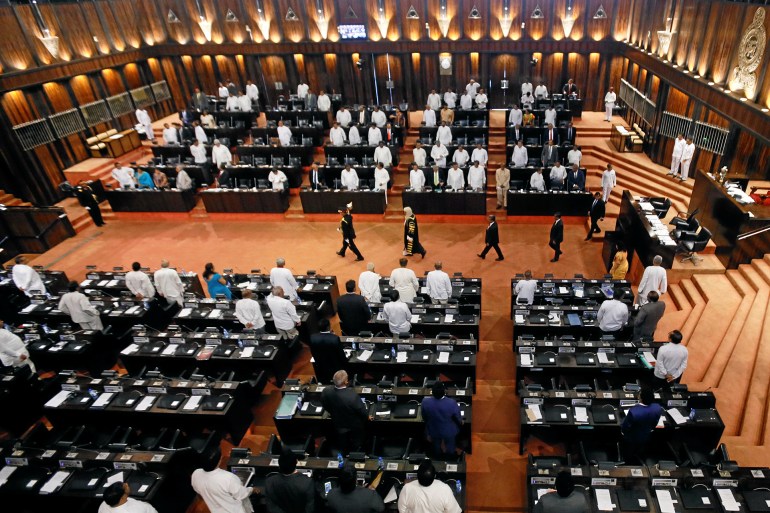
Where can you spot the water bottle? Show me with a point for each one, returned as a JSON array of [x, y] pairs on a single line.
[[393, 352], [380, 463], [340, 461], [93, 393], [459, 487]]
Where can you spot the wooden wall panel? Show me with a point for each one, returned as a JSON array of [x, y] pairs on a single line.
[[133, 76], [128, 21], [369, 15], [113, 82], [82, 89], [274, 69], [177, 32], [14, 52], [117, 39], [228, 70], [599, 29], [271, 20], [560, 12], [204, 69], [475, 29], [29, 25], [294, 30], [725, 42], [96, 28], [153, 28], [176, 85], [412, 30], [536, 28], [621, 29]]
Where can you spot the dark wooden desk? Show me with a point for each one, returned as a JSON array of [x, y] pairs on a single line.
[[555, 323], [113, 283], [431, 320], [466, 290], [548, 203], [311, 117], [451, 203], [357, 152], [299, 132], [638, 236], [151, 200], [245, 200], [321, 290], [71, 348], [727, 219], [292, 155], [329, 202]]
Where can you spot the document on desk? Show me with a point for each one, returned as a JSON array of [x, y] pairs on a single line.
[[402, 356], [55, 482], [540, 493], [391, 496], [134, 310], [58, 399], [115, 478], [665, 501], [365, 355], [423, 290], [533, 413], [727, 499], [578, 292], [443, 357], [581, 414], [130, 349], [415, 319], [604, 499], [170, 349], [678, 417], [649, 356], [5, 473], [215, 314], [518, 319], [449, 318], [146, 402], [247, 352], [526, 360], [102, 400], [185, 312], [308, 287], [603, 358], [28, 309], [113, 283], [193, 403]]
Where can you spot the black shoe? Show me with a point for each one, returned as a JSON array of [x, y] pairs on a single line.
[[588, 238], [359, 259], [340, 254], [424, 253], [554, 260], [498, 259], [481, 256]]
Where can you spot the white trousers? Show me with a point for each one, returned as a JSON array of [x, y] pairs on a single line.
[[675, 164], [606, 191], [685, 168], [608, 111]]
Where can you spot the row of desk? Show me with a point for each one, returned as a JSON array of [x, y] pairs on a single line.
[[272, 154]]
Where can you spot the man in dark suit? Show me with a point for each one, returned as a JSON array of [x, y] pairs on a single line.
[[362, 117], [289, 490], [436, 178], [200, 100], [353, 311], [550, 154], [647, 317], [517, 133], [316, 175], [596, 212], [551, 133], [576, 178], [570, 88], [492, 239], [557, 236], [311, 101], [348, 412], [327, 352], [570, 134], [348, 234]]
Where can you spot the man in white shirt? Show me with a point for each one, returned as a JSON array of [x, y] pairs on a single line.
[[429, 116], [609, 104], [383, 155], [397, 313], [687, 154], [343, 117], [466, 102], [416, 178], [116, 500], [374, 135], [609, 180], [222, 491], [324, 102], [381, 179], [526, 87], [477, 176], [222, 91], [525, 289], [450, 98], [558, 175], [536, 181], [515, 117], [220, 154], [26, 278], [520, 157], [139, 283], [480, 154], [124, 176], [249, 313], [671, 361], [75, 304], [277, 179], [284, 313], [252, 92], [427, 494], [481, 99], [183, 181], [378, 117], [337, 135], [168, 284], [13, 351], [527, 100], [282, 277], [455, 179], [541, 91], [653, 278], [438, 284], [198, 152], [170, 135], [439, 153], [472, 88], [612, 315], [404, 281], [574, 156], [550, 116], [369, 284], [434, 100], [200, 133], [244, 102], [676, 155], [349, 178], [284, 134], [444, 134], [302, 89], [354, 136], [232, 104], [207, 120], [461, 156], [143, 118], [419, 154]]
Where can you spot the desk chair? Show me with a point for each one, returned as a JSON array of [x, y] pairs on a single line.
[[300, 446], [683, 218], [596, 453], [661, 207], [690, 245], [395, 448]]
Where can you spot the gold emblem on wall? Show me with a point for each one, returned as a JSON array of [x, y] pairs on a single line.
[[750, 53]]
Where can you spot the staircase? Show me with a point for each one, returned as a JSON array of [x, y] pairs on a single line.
[[9, 200]]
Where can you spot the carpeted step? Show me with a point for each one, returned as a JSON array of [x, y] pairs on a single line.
[[695, 297], [679, 298]]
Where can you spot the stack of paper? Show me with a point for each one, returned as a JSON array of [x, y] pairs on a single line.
[[170, 349], [415, 319], [602, 358], [519, 319], [365, 355], [649, 357], [526, 360], [678, 417], [5, 473], [185, 312], [130, 349], [58, 399], [449, 318], [443, 357], [102, 400], [727, 499], [533, 413], [55, 482], [581, 414], [665, 501], [402, 356], [308, 287], [604, 499], [146, 403], [247, 352], [193, 403], [215, 314]]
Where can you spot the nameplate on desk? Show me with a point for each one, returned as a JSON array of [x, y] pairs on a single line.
[[157, 458], [201, 391], [191, 305], [141, 340], [637, 472], [664, 482], [724, 483], [366, 346], [68, 338], [114, 389], [93, 276], [606, 349], [582, 402], [391, 466], [576, 471], [533, 400], [70, 463], [31, 336], [696, 472], [122, 465], [157, 390], [71, 388], [542, 480], [604, 481], [460, 392], [548, 344], [97, 303], [17, 462], [758, 474], [405, 347], [176, 340], [527, 349], [566, 350], [675, 403], [351, 339]]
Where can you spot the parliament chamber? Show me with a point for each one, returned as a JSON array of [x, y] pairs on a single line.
[[167, 168]]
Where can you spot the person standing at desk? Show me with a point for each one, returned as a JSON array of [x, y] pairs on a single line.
[[222, 491], [404, 281], [426, 494], [576, 179], [327, 352], [348, 234], [382, 154], [116, 500], [419, 155], [249, 313], [348, 412], [397, 313], [284, 134], [284, 313], [215, 282], [284, 278], [278, 180], [369, 284], [438, 284], [183, 181], [143, 119], [429, 116], [411, 235], [124, 176], [349, 178], [492, 240], [612, 315], [75, 304], [416, 178], [353, 311], [520, 156], [653, 278], [515, 116], [139, 283], [26, 278], [337, 135], [609, 181], [557, 236], [671, 362], [619, 265], [349, 498], [316, 177], [637, 427], [455, 179], [502, 184], [289, 491], [563, 499], [168, 284], [525, 289], [442, 421], [87, 199], [13, 351], [536, 181], [648, 316], [200, 100], [596, 212]]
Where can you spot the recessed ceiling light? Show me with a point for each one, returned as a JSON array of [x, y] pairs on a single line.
[[726, 91], [686, 71], [676, 65], [765, 110], [744, 99], [711, 83], [697, 76]]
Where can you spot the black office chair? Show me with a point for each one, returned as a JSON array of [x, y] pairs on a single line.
[[596, 453], [691, 246], [661, 206], [300, 446], [392, 448], [679, 221]]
